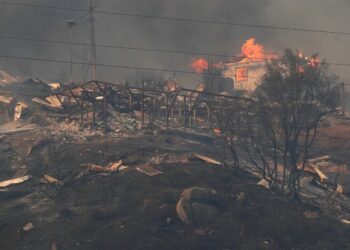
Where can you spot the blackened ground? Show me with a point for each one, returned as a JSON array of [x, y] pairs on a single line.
[[130, 210]]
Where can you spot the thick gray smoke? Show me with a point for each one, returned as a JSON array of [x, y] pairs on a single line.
[[162, 34]]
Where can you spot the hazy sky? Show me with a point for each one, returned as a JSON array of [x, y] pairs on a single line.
[[162, 34]]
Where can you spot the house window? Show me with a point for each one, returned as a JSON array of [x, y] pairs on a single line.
[[241, 74]]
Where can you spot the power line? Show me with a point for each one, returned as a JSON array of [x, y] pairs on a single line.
[[297, 3], [116, 46], [202, 21], [127, 67], [178, 19], [108, 65], [135, 48]]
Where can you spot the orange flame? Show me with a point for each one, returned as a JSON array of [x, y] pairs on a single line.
[[217, 131], [252, 50], [199, 65], [313, 62]]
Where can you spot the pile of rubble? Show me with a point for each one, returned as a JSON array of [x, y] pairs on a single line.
[[67, 117], [328, 174], [70, 131]]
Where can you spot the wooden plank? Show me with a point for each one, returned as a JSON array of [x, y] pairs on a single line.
[[14, 181], [321, 158], [320, 174], [207, 159]]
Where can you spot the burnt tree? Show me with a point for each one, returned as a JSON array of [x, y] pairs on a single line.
[[293, 97]]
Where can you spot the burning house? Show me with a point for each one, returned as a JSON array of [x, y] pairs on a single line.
[[247, 69], [243, 71]]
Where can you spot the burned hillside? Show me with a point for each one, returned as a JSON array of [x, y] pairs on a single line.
[[97, 164], [174, 125]]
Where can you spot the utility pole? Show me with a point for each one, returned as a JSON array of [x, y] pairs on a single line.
[[92, 40], [71, 24], [207, 88], [343, 98]]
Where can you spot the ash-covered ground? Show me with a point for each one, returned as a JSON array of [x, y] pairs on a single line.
[[128, 209]]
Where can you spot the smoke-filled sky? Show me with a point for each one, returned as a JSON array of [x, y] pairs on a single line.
[[169, 35]]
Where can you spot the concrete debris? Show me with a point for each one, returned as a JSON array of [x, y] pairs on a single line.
[[28, 227], [148, 170], [70, 131], [207, 159], [14, 181]]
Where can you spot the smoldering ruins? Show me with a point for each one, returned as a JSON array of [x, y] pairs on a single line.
[[117, 132]]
